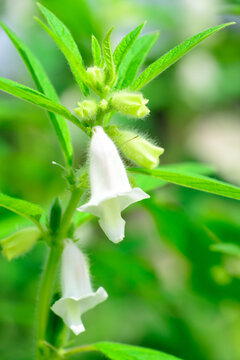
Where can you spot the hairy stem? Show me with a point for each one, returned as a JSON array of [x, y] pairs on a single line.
[[45, 293], [71, 207]]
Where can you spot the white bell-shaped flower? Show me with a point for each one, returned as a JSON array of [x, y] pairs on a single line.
[[111, 191], [77, 293]]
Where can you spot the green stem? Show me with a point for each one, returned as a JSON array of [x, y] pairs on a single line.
[[77, 350], [70, 209], [45, 293]]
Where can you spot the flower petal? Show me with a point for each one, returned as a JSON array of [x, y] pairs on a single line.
[[70, 309], [111, 221]]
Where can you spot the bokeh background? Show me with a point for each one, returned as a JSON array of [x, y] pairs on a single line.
[[167, 289]]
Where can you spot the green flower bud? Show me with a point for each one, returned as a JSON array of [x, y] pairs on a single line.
[[20, 242], [96, 78], [130, 103], [103, 105], [55, 216], [137, 148], [87, 109]]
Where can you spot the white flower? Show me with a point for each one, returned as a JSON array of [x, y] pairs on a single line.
[[77, 293], [110, 189]]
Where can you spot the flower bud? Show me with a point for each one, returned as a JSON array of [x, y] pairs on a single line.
[[20, 242], [55, 216], [96, 78], [130, 103], [87, 109], [137, 149]]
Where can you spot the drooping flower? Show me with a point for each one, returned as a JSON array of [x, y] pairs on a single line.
[[77, 293], [111, 191]]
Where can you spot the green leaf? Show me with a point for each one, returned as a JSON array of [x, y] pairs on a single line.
[[197, 168], [125, 45], [21, 207], [96, 51], [193, 181], [82, 218], [227, 248], [36, 98], [172, 56], [116, 351], [130, 66], [149, 183], [107, 54], [64, 40], [44, 85]]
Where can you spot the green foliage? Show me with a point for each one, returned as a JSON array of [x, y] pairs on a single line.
[[45, 86], [126, 352], [64, 40], [227, 248], [193, 167], [149, 183], [24, 208], [25, 93], [193, 181], [125, 45], [96, 52], [134, 59], [172, 56], [108, 57]]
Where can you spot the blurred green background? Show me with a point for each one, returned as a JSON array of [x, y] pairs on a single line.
[[167, 289]]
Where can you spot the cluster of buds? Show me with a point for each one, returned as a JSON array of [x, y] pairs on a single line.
[[125, 102]]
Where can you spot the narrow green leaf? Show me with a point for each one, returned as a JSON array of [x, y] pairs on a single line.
[[149, 183], [196, 168], [116, 351], [125, 45], [21, 207], [193, 181], [108, 57], [45, 86], [25, 93], [172, 56], [133, 61], [96, 51], [64, 40], [227, 248]]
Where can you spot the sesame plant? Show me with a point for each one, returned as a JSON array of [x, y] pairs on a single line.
[[110, 85]]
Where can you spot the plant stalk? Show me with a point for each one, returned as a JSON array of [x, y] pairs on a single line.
[[45, 293]]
